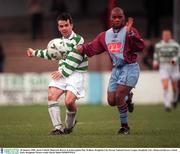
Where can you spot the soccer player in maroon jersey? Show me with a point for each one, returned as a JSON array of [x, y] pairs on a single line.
[[122, 42]]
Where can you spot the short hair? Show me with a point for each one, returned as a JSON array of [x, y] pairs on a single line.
[[65, 16], [115, 9]]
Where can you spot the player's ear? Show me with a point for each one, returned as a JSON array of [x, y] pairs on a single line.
[[72, 26]]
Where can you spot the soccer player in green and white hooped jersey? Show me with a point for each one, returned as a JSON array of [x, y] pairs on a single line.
[[68, 79], [166, 57]]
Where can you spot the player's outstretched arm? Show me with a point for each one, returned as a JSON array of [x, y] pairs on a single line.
[[41, 53]]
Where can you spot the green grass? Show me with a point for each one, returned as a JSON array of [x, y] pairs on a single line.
[[151, 126]]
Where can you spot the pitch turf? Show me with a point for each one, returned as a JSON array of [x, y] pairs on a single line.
[[151, 126]]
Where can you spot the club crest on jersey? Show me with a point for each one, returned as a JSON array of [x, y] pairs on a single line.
[[114, 46]]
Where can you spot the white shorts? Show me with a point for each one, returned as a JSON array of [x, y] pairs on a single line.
[[73, 83], [169, 71]]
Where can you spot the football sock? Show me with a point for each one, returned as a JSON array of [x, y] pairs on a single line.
[[167, 103], [54, 112], [123, 115], [70, 119]]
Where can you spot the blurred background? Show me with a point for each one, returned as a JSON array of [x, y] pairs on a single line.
[[23, 25]]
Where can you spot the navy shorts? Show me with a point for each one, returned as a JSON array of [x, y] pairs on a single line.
[[127, 74]]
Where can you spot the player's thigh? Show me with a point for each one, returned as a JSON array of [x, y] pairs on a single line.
[[129, 75], [165, 83], [122, 91], [54, 93], [112, 86], [165, 71], [175, 76], [75, 84], [175, 85]]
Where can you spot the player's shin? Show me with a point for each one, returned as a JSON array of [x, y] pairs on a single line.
[[54, 112], [123, 115], [166, 99], [70, 119]]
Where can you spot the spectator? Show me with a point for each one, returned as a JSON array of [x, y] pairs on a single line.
[[57, 7], [36, 12], [152, 8], [148, 54]]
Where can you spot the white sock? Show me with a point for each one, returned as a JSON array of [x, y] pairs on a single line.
[[54, 112], [167, 102], [70, 119]]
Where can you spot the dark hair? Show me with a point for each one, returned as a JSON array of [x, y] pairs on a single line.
[[65, 16]]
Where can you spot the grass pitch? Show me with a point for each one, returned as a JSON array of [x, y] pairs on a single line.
[[151, 126]]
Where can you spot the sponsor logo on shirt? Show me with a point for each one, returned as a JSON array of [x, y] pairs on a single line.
[[114, 46]]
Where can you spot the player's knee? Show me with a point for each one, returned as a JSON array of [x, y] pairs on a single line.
[[111, 101], [52, 96], [70, 105], [165, 87], [69, 102], [119, 97]]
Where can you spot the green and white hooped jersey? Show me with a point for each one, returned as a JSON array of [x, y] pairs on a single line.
[[166, 51], [72, 61]]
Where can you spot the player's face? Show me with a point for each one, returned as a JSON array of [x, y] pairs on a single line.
[[117, 19], [65, 27], [166, 36]]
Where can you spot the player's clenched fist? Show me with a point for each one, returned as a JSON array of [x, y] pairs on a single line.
[[29, 52]]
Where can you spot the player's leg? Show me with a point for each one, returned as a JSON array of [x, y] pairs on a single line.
[[166, 99], [54, 109], [121, 92], [111, 96], [112, 92], [165, 73], [175, 88], [128, 99], [112, 86], [175, 92], [75, 90], [128, 77], [71, 110], [129, 102]]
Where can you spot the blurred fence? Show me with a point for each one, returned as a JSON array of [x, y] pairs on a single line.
[[31, 88]]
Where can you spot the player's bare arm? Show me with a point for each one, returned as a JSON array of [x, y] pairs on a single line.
[[79, 48]]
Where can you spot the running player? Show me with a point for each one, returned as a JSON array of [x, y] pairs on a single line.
[[166, 56]]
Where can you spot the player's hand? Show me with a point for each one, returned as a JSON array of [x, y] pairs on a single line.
[[173, 61], [29, 52], [155, 66], [129, 24], [56, 75], [79, 48]]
